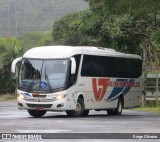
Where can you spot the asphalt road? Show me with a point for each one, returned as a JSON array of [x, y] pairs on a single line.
[[13, 120]]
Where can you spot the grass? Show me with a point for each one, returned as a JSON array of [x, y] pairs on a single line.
[[7, 97], [149, 109]]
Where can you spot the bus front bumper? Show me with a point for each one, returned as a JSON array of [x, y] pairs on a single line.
[[58, 105]]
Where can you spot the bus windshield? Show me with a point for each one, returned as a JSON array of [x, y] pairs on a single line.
[[43, 75]]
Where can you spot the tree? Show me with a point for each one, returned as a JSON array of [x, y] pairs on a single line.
[[137, 8], [33, 39], [9, 50], [155, 50], [83, 28], [125, 25], [134, 26]]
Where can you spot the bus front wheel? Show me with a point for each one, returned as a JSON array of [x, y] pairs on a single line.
[[36, 113], [79, 111], [118, 110]]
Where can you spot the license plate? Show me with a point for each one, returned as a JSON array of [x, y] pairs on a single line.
[[39, 108]]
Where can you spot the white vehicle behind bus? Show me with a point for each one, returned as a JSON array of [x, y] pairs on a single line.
[[77, 79]]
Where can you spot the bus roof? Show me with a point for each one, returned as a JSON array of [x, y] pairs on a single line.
[[55, 52]]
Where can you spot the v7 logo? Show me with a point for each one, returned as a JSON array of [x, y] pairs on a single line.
[[100, 89]]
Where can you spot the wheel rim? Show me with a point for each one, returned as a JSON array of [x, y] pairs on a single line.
[[120, 107], [78, 107]]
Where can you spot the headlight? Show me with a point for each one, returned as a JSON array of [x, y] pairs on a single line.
[[21, 96], [59, 97]]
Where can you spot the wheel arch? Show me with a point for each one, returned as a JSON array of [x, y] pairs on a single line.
[[80, 95]]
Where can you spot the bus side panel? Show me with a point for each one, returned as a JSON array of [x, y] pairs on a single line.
[[133, 97], [103, 93], [71, 98], [95, 96]]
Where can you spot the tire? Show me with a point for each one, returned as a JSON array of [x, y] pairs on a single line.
[[118, 110], [36, 113], [85, 113], [79, 109], [111, 111]]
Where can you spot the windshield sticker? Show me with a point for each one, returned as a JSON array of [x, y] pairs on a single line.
[[43, 84], [27, 95]]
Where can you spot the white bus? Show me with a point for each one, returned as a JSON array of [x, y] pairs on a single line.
[[77, 79]]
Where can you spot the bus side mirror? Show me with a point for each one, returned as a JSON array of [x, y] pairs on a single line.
[[13, 66], [73, 65]]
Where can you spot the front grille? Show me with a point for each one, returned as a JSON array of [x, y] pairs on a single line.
[[40, 105], [41, 99]]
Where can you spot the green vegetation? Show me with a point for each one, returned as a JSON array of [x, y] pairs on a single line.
[[34, 39], [150, 107], [127, 26], [9, 50]]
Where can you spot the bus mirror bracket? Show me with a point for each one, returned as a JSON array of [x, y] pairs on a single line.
[[73, 65], [13, 66]]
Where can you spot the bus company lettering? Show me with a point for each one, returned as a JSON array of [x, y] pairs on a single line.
[[123, 84], [100, 85]]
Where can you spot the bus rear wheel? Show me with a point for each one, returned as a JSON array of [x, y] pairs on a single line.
[[118, 110], [36, 113], [79, 111]]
